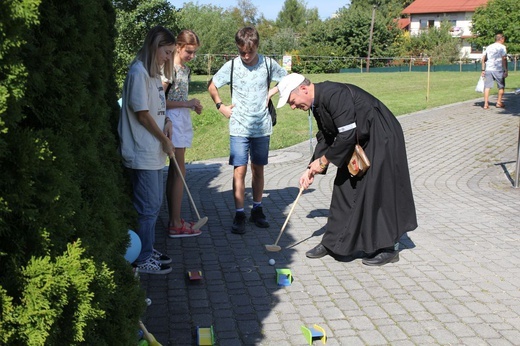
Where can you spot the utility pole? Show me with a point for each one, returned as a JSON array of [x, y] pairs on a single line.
[[370, 40]]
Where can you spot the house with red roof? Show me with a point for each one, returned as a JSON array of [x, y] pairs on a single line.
[[425, 14]]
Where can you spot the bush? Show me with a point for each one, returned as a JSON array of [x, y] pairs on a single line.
[[64, 207]]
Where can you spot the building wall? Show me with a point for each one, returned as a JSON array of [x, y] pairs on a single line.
[[461, 22]]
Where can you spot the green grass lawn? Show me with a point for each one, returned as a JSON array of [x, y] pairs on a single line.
[[402, 92]]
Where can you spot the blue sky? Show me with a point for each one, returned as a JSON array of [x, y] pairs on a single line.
[[270, 8]]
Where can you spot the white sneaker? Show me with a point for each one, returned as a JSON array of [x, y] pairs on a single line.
[[152, 266], [161, 258]]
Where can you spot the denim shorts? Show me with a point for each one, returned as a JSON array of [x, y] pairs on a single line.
[[243, 147]]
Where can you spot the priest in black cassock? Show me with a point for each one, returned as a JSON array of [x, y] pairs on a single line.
[[368, 214]]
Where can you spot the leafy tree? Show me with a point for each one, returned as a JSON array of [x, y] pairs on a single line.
[[216, 29], [435, 43], [292, 15], [392, 8], [133, 20], [325, 38], [245, 13], [283, 41], [266, 29], [348, 34], [270, 37], [498, 16], [320, 41], [312, 16]]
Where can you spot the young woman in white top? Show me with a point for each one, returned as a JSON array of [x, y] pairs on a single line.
[[178, 110], [145, 140]]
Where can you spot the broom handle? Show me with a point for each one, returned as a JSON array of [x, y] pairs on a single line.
[[289, 216], [185, 185]]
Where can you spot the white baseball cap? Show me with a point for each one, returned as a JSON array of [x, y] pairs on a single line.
[[286, 85]]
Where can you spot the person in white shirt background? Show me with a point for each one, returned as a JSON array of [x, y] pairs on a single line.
[[494, 69]]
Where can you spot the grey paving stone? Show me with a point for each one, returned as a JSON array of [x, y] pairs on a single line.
[[456, 283]]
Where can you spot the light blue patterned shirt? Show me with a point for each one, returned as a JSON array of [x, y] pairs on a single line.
[[250, 116], [494, 53]]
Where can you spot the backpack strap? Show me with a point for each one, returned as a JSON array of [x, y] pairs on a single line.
[[171, 84], [231, 82], [268, 72], [168, 90]]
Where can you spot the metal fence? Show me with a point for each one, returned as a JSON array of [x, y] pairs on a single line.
[[413, 67], [307, 64]]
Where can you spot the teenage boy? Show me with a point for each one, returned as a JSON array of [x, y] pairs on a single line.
[[250, 125]]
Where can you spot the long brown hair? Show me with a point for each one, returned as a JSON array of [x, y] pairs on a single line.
[[157, 37], [187, 38]]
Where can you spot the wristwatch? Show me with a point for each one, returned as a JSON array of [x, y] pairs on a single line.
[[218, 105], [322, 165]]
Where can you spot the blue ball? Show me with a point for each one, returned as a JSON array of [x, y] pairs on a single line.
[[134, 247]]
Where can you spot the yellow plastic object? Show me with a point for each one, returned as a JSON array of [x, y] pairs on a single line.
[[205, 336], [314, 333]]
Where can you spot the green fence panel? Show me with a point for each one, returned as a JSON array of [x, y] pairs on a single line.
[[473, 67]]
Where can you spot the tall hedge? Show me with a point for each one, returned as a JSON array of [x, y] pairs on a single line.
[[133, 20], [64, 203]]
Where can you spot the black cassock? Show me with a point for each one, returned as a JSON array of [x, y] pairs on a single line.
[[374, 211]]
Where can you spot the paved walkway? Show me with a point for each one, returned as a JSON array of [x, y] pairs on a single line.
[[457, 283]]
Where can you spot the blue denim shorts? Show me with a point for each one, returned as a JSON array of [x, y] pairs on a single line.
[[243, 147]]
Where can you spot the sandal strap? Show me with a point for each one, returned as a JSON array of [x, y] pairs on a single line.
[[190, 224], [182, 231]]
